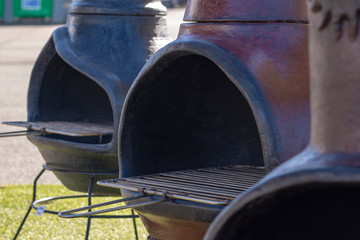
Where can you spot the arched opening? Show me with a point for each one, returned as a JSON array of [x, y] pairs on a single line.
[[306, 212], [191, 116], [70, 96]]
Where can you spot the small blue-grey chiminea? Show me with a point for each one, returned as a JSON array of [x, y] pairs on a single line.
[[80, 80]]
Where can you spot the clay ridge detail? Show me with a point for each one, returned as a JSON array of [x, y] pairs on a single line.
[[341, 16]]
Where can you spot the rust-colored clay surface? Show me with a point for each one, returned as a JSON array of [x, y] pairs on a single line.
[[269, 39], [318, 189], [335, 76], [246, 10], [277, 55], [161, 228]]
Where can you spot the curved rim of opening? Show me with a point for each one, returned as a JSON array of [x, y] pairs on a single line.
[[40, 66], [296, 180], [236, 72]]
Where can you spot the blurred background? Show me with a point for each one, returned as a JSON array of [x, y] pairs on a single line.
[[25, 27], [48, 11]]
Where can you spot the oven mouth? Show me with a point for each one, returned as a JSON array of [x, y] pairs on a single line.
[[316, 211], [190, 115], [67, 98]]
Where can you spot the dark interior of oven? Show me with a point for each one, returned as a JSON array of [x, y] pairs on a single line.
[[69, 96], [190, 116], [313, 212]]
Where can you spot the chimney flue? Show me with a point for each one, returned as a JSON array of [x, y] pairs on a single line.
[[335, 75]]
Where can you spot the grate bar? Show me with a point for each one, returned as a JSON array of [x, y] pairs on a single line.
[[248, 169], [215, 186], [173, 194], [240, 179], [229, 173], [185, 192], [185, 188], [137, 187], [199, 180]]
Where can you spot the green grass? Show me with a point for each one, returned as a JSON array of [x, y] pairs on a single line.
[[14, 201]]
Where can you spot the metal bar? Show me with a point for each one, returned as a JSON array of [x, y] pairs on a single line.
[[186, 187], [103, 204], [242, 171], [186, 191], [48, 199], [24, 131], [134, 223], [73, 129], [206, 200], [67, 214], [244, 168], [202, 182], [194, 185], [192, 198], [19, 133], [29, 209], [78, 172], [211, 178], [248, 170], [67, 133], [217, 172], [222, 172], [219, 179], [205, 178], [89, 210], [189, 193], [232, 173], [240, 176], [236, 169]]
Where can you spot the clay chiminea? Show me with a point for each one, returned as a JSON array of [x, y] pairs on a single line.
[[316, 194], [80, 80], [232, 89]]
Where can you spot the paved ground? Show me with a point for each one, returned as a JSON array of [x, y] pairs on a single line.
[[19, 46]]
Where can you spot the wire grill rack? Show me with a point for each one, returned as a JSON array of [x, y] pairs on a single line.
[[214, 186]]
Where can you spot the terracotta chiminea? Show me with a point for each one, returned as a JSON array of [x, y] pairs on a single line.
[[232, 89], [316, 194]]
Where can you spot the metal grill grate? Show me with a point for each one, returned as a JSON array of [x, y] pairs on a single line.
[[74, 129], [215, 186]]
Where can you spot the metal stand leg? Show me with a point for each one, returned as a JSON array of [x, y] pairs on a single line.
[[33, 199], [89, 218], [89, 203], [134, 223], [89, 196]]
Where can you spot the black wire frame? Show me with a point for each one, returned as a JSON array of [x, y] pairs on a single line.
[[34, 202]]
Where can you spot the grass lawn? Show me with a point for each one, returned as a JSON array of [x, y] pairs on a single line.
[[14, 201]]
